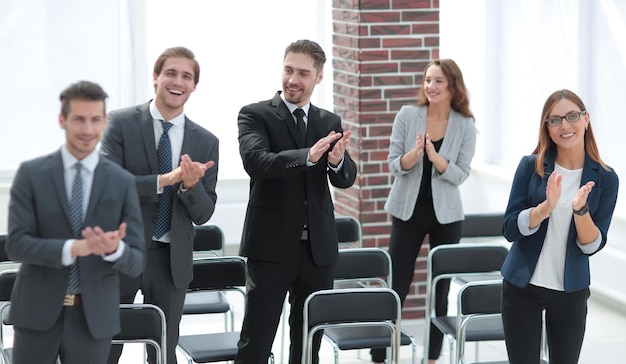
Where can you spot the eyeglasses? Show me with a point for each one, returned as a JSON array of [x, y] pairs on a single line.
[[570, 118]]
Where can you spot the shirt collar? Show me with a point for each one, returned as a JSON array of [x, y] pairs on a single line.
[[293, 107], [156, 114], [89, 162]]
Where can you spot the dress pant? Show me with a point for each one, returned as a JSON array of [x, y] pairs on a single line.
[[68, 339], [157, 288], [405, 244], [565, 314], [267, 285]]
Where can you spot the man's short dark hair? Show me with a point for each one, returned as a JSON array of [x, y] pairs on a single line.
[[81, 90]]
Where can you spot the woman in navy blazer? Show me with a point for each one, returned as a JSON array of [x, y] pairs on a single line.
[[432, 146], [559, 211]]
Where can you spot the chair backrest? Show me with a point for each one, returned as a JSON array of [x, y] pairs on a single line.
[[460, 259], [364, 265], [348, 231], [482, 225], [351, 308], [335, 306], [143, 323], [208, 238], [7, 280], [3, 254], [480, 297], [218, 273]]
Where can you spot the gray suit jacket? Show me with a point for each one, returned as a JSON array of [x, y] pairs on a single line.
[[129, 142], [458, 148], [39, 225]]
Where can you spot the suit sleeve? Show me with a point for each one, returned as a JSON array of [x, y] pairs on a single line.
[[200, 200], [131, 262], [23, 244], [255, 147], [114, 146], [518, 199]]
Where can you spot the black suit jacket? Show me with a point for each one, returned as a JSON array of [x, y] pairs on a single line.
[[39, 226], [284, 192], [129, 142]]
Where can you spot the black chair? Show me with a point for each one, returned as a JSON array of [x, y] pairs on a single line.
[[3, 254], [348, 231], [363, 268], [209, 241], [482, 226], [145, 324], [375, 311], [465, 261], [214, 274], [7, 280]]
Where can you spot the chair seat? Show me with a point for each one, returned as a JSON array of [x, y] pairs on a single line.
[[208, 348], [488, 329], [205, 302], [350, 338]]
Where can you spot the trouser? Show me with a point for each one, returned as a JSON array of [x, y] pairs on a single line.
[[565, 314], [266, 287], [157, 288], [404, 246]]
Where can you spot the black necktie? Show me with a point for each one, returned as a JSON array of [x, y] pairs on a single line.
[[164, 154], [299, 113]]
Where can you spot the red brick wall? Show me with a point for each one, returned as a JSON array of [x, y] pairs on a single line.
[[380, 49]]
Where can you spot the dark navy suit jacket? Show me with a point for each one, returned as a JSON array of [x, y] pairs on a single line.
[[528, 190]]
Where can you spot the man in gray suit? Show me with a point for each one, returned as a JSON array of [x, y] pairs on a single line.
[[174, 161], [74, 223]]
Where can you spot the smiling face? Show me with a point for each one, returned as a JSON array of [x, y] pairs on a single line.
[[174, 85], [568, 135], [436, 86], [83, 126], [299, 78]]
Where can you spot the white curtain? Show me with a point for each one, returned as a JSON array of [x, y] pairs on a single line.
[[47, 45]]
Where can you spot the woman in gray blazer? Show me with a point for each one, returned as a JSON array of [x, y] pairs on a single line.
[[432, 145]]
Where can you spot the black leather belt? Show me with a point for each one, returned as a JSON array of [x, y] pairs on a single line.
[[158, 245]]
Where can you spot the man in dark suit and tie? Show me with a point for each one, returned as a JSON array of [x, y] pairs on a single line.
[[289, 233], [74, 223], [174, 161]]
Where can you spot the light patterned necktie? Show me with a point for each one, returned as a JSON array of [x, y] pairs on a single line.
[[76, 217]]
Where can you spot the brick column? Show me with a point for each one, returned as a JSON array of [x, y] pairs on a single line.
[[380, 49]]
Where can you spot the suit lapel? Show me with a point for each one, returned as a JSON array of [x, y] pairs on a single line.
[[147, 133], [190, 139], [282, 112], [97, 187], [313, 126], [57, 175]]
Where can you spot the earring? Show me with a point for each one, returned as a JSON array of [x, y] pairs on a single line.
[[586, 126]]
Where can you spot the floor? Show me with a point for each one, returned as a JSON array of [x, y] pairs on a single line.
[[605, 340]]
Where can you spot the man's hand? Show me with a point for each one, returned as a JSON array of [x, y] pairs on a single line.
[[335, 155], [188, 172], [97, 241], [321, 146], [191, 171]]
